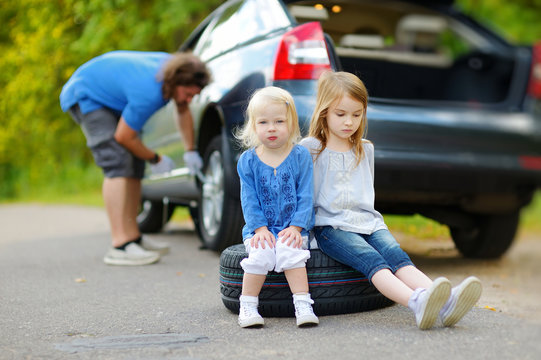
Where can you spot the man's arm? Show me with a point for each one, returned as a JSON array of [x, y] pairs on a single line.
[[129, 138], [185, 126]]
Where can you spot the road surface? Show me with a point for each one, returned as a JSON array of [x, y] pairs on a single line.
[[59, 301]]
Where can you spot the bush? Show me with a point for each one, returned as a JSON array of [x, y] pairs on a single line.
[[42, 42]]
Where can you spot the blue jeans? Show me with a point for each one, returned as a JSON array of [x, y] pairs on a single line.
[[365, 253]]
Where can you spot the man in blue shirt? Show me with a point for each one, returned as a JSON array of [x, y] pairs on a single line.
[[111, 97]]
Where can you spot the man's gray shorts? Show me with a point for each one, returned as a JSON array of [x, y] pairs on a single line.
[[99, 127]]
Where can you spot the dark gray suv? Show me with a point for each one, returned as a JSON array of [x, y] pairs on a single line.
[[451, 112]]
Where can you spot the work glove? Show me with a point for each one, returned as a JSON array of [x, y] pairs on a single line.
[[165, 164], [193, 161]]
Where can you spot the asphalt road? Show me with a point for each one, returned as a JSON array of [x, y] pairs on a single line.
[[59, 301]]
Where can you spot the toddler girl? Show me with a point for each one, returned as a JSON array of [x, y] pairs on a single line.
[[276, 197]]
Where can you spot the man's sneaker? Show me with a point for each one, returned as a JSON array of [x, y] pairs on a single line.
[[248, 314], [303, 310], [462, 299], [132, 255], [153, 245], [427, 303]]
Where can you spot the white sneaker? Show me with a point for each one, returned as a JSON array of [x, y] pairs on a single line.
[[462, 299], [427, 303], [132, 255], [153, 245], [248, 314], [303, 310]]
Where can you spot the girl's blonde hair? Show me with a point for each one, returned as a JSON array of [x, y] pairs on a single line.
[[260, 98], [333, 86]]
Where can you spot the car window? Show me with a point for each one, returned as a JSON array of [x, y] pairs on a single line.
[[398, 31], [238, 24], [405, 51]]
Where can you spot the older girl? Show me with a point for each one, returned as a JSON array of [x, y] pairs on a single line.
[[347, 226]]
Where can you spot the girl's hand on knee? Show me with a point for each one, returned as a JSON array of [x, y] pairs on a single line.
[[262, 236], [292, 235]]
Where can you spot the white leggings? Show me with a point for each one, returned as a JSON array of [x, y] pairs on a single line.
[[279, 258]]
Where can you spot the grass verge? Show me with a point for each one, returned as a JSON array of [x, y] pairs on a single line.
[[416, 225]]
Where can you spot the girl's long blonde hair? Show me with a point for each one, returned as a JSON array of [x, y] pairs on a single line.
[[247, 136], [333, 86]]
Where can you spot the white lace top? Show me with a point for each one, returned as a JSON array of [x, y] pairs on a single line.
[[344, 193]]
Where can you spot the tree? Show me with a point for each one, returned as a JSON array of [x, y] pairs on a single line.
[[518, 21], [43, 43]]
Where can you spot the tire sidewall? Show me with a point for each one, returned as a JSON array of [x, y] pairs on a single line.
[[151, 217], [229, 229], [334, 287]]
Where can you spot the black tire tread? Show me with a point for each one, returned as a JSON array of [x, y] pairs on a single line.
[[153, 221], [490, 239], [335, 287], [232, 220]]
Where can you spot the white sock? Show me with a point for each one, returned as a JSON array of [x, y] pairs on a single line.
[[248, 299]]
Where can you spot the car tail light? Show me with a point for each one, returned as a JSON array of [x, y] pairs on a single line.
[[530, 162], [535, 78], [302, 54]]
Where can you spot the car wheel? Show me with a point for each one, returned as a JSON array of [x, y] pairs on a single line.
[[219, 212], [334, 287], [490, 238], [153, 215]]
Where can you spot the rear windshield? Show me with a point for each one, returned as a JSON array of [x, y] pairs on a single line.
[[404, 51]]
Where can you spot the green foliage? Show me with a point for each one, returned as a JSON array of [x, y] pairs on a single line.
[[518, 21], [421, 227], [529, 220], [73, 185], [41, 43]]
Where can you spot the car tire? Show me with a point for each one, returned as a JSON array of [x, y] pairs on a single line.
[[153, 215], [334, 287], [490, 238], [219, 216]]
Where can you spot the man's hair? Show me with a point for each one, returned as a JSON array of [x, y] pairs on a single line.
[[184, 69]]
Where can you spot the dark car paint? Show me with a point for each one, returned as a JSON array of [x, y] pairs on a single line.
[[432, 157]]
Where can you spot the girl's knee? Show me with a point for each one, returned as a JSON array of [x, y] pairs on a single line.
[[290, 258], [259, 261]]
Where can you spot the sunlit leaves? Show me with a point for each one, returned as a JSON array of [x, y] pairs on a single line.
[[518, 21], [41, 43]]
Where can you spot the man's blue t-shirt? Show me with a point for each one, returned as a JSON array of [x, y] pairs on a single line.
[[125, 81]]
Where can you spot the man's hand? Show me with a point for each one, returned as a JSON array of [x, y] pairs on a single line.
[[193, 161], [164, 165]]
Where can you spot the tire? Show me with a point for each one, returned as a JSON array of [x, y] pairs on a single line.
[[334, 287], [490, 238], [153, 215], [219, 212]]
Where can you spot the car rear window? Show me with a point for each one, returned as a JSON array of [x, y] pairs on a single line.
[[406, 51], [238, 24]]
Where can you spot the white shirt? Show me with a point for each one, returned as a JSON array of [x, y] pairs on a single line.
[[344, 193]]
